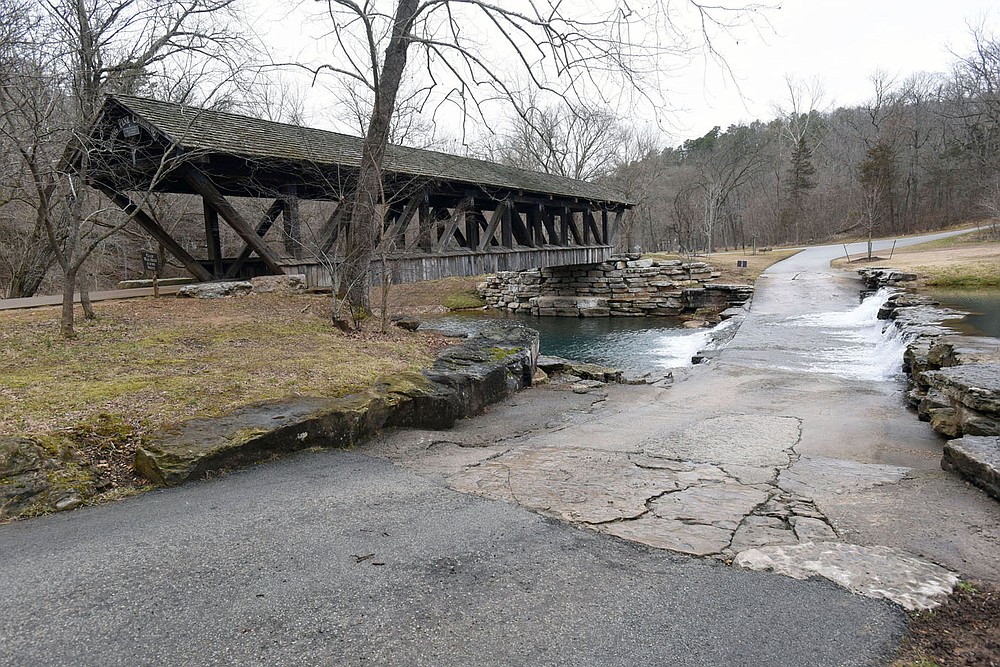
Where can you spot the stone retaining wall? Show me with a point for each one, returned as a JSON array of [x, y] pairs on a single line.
[[954, 381], [625, 286]]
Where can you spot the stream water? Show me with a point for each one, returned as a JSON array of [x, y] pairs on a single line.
[[982, 306], [638, 344]]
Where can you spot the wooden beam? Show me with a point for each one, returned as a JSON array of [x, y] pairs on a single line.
[[550, 225], [614, 227], [491, 229], [591, 232], [521, 233], [292, 221], [272, 213], [604, 226], [201, 184], [569, 219], [333, 225], [456, 218], [212, 238], [154, 229], [397, 231]]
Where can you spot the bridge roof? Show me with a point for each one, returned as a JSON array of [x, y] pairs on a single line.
[[218, 132]]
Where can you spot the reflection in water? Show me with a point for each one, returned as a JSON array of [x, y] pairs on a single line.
[[983, 307]]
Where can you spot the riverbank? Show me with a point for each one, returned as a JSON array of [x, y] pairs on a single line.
[[89, 403]]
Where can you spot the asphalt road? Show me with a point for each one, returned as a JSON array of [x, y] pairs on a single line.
[[336, 558]]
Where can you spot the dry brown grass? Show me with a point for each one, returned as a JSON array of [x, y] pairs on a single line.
[[969, 260], [153, 361], [725, 263]]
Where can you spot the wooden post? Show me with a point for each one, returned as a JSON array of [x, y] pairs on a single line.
[[425, 226], [292, 221], [212, 238], [506, 228]]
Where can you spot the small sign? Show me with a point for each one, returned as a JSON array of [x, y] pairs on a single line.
[[741, 264], [150, 261]]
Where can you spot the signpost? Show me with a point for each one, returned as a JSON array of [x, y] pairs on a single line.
[[151, 262]]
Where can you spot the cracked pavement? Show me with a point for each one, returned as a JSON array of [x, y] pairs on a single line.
[[753, 460]]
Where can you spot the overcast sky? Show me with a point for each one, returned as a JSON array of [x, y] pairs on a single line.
[[842, 42]]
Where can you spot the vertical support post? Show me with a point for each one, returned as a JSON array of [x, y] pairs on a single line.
[[564, 218], [425, 224], [586, 227], [291, 220], [212, 238], [507, 228], [472, 228], [604, 226]]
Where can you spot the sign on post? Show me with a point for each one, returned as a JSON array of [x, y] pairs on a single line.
[[151, 262]]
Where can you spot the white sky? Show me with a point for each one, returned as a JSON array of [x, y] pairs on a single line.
[[839, 42]]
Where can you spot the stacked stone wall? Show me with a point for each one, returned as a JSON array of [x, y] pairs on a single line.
[[626, 286]]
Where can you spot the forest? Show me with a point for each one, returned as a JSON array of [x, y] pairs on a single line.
[[922, 152]]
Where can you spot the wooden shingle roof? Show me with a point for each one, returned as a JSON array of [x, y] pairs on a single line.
[[220, 132]]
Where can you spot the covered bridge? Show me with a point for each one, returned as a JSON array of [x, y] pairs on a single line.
[[443, 214]]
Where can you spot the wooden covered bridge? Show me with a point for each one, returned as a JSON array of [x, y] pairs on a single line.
[[443, 214]]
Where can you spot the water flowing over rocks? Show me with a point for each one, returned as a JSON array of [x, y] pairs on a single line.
[[625, 286], [954, 381], [489, 365]]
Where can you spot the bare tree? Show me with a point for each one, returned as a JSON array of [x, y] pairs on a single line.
[[560, 48], [577, 141], [79, 51]]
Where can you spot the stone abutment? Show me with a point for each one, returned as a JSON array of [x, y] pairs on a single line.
[[624, 286]]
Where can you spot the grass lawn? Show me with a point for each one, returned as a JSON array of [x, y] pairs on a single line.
[[725, 263], [966, 261], [146, 363]]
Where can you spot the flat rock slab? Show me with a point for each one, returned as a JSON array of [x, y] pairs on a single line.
[[976, 386], [485, 368], [875, 572], [977, 459], [818, 476], [738, 439], [576, 485]]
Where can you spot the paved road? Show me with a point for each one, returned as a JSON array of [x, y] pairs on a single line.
[[335, 558]]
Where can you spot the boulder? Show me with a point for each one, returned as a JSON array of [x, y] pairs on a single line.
[[216, 290], [579, 369], [977, 459], [42, 474], [289, 284]]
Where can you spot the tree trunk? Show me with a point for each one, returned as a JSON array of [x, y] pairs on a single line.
[[366, 215], [66, 322], [83, 280]]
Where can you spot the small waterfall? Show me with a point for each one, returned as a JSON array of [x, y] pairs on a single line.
[[677, 350], [855, 343]]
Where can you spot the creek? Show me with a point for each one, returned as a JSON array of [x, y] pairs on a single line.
[[982, 306]]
